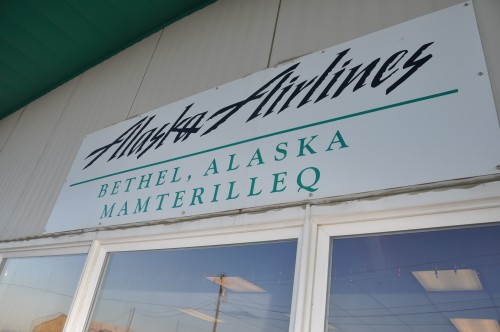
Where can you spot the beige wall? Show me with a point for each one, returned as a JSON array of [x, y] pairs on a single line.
[[222, 42]]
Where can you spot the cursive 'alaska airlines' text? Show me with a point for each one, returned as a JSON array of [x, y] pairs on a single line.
[[286, 89]]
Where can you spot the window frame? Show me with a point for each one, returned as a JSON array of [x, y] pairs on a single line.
[[242, 229], [430, 210], [47, 247], [425, 207]]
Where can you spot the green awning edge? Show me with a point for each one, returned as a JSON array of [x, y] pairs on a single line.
[[133, 41]]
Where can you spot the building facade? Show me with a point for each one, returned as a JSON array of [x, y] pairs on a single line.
[[394, 251]]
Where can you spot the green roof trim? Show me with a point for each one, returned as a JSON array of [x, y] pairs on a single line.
[[44, 44]]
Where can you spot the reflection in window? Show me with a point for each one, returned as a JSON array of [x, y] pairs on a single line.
[[228, 288], [36, 293], [430, 281]]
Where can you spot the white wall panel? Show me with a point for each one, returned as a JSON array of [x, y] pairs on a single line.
[[104, 96], [25, 146], [7, 124], [309, 26], [488, 17], [225, 41]]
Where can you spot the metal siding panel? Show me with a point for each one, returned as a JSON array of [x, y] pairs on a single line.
[[24, 148], [223, 42], [104, 96], [7, 125], [488, 20], [310, 26]]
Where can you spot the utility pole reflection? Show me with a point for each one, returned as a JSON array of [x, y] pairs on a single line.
[[222, 292]]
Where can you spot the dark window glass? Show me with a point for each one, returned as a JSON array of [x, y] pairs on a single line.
[[447, 280], [225, 288]]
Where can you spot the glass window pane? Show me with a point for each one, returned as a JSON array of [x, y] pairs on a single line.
[[226, 288], [36, 292], [447, 280]]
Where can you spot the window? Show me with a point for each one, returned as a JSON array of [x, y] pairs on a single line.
[[245, 287], [36, 292], [446, 280]]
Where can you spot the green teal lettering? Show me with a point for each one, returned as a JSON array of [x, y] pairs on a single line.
[[213, 167], [161, 197], [337, 139], [142, 208], [279, 180], [197, 195], [161, 177], [252, 187], [281, 150], [309, 188], [115, 188], [175, 178], [216, 192], [306, 146], [178, 198], [107, 213], [230, 195], [256, 156], [129, 181], [102, 192], [124, 209], [231, 160], [145, 181]]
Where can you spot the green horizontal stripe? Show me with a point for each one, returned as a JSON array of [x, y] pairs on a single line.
[[373, 110]]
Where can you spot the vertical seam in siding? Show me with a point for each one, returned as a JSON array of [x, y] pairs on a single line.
[[43, 152], [13, 128], [5, 224], [274, 34], [145, 72]]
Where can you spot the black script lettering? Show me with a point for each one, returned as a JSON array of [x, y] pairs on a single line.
[[323, 76], [124, 150], [184, 126], [324, 94], [353, 76], [233, 108], [256, 113], [277, 93], [298, 89], [102, 150], [281, 95], [134, 139], [396, 57], [156, 138], [414, 63]]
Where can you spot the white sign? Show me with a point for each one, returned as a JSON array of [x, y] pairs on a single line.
[[407, 105]]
